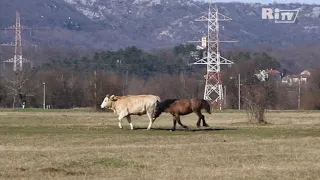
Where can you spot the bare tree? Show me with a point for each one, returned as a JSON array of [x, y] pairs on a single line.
[[255, 100], [3, 93], [18, 85]]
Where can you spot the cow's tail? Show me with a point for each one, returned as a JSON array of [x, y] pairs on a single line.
[[158, 99], [206, 106]]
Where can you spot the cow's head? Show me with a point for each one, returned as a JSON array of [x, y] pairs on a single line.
[[108, 100]]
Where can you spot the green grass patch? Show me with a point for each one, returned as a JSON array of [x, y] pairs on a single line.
[[273, 132], [260, 131], [111, 162], [106, 162], [85, 130]]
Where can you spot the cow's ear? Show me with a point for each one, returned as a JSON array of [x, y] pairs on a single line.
[[107, 95]]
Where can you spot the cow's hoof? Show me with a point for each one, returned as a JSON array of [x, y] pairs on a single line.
[[185, 127], [198, 127], [206, 125]]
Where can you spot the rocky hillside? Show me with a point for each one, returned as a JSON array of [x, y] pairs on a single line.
[[152, 23]]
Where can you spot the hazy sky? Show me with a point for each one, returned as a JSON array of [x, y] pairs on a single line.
[[269, 1]]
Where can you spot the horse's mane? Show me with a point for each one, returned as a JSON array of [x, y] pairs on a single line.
[[165, 104]]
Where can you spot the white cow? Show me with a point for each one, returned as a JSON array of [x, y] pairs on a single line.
[[124, 106]]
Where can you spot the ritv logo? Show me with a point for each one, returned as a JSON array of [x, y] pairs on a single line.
[[280, 16]]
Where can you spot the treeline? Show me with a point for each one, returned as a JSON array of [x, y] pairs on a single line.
[[132, 60], [74, 78]]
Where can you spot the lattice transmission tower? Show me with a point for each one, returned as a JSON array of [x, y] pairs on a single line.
[[17, 59], [213, 59]]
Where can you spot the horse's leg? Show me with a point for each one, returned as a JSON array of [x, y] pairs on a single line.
[[179, 122], [174, 123], [204, 123], [150, 121], [199, 120], [129, 121], [201, 116]]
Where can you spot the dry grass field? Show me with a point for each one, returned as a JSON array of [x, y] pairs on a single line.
[[89, 145]]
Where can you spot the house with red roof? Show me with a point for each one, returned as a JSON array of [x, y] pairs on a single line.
[[295, 78], [273, 71], [274, 74], [263, 75]]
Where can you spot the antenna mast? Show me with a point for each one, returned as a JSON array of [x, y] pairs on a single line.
[[17, 59], [213, 60]]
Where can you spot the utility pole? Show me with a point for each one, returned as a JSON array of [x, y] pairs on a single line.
[[125, 90], [225, 97], [44, 95], [299, 93], [213, 59], [95, 89], [17, 59], [239, 92]]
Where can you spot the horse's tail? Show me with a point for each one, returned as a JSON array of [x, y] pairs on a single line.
[[206, 106]]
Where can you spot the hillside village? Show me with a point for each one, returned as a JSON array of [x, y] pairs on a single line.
[[289, 79]]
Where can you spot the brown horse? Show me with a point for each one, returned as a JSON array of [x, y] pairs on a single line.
[[180, 107]]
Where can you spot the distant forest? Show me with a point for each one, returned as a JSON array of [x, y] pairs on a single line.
[[77, 78]]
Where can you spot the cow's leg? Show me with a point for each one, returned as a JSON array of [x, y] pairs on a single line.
[[129, 121], [120, 119], [121, 116], [150, 121]]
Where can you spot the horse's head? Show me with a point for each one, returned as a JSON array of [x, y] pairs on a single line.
[[108, 100], [157, 111]]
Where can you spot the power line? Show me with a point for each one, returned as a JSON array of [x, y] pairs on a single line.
[[17, 59], [213, 59]]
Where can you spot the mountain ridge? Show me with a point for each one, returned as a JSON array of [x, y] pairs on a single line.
[[150, 24], [159, 23]]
